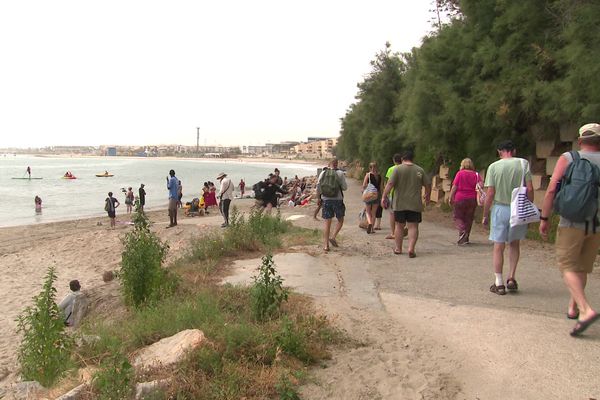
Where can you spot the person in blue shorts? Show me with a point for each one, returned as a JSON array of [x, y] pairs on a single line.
[[332, 203]]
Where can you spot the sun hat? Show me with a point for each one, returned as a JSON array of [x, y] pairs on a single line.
[[221, 175], [589, 130]]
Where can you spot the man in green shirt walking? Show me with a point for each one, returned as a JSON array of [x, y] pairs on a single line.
[[501, 178], [407, 179]]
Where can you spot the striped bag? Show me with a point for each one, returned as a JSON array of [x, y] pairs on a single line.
[[522, 211]]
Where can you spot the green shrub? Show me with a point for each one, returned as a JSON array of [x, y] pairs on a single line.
[[45, 349], [267, 292], [285, 389], [293, 341], [114, 380], [142, 277]]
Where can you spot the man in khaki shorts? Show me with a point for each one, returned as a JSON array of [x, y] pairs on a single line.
[[577, 243]]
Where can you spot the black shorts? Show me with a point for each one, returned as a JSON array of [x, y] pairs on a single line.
[[407, 216]]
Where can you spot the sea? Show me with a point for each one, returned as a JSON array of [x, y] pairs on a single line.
[[64, 199]]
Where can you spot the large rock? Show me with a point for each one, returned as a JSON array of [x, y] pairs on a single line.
[[169, 351], [74, 394]]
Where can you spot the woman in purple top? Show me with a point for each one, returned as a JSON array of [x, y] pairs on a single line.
[[463, 198]]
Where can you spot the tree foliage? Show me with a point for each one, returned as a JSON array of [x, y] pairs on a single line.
[[498, 70]]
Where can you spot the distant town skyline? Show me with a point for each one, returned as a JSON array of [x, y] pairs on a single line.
[[87, 74]]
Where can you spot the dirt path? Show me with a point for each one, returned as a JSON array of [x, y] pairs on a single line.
[[430, 328]]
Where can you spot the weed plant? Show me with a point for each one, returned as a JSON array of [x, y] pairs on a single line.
[[143, 279], [45, 350], [267, 292], [114, 380]]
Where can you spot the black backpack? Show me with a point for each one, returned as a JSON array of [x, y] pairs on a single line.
[[259, 189]]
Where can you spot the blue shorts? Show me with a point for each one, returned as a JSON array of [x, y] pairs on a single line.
[[500, 229], [333, 208]]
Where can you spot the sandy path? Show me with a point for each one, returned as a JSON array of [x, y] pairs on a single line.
[[430, 327]]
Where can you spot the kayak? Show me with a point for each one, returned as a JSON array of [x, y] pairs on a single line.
[[69, 177], [104, 175], [27, 178]]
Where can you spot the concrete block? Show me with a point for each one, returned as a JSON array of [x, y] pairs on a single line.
[[446, 185], [437, 195], [538, 198], [444, 172], [544, 148], [550, 164], [540, 182], [538, 166], [436, 182]]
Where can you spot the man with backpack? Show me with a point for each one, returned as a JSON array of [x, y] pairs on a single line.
[[330, 187], [573, 194], [502, 177]]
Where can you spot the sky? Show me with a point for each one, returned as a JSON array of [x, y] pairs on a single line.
[[133, 72]]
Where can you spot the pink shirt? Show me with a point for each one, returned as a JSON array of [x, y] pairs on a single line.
[[465, 182]]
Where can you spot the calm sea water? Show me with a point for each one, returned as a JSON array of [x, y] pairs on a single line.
[[84, 197]]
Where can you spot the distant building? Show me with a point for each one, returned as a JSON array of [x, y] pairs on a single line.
[[316, 148], [111, 151]]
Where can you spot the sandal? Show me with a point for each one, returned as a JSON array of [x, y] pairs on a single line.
[[397, 251], [412, 254], [370, 228], [512, 285], [390, 237], [573, 316], [325, 249], [500, 289], [581, 326], [333, 242]]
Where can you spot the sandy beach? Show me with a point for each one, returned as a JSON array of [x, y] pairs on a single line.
[[427, 328]]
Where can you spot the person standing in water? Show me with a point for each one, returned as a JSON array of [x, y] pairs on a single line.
[[29, 172], [38, 204]]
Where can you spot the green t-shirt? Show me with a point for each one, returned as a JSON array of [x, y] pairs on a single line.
[[387, 178], [408, 180], [504, 175]]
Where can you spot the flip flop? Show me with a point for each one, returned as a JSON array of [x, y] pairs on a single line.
[[397, 252], [325, 249], [390, 237], [581, 326], [412, 254], [333, 242], [573, 316]]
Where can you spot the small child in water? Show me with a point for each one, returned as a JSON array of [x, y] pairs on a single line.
[[38, 204]]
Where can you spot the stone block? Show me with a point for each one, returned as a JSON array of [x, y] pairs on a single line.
[[538, 198], [540, 182], [444, 172], [550, 164], [437, 195], [149, 389], [436, 182], [170, 350], [544, 148], [74, 394], [446, 185]]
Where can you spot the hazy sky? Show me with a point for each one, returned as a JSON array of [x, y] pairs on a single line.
[[148, 72]]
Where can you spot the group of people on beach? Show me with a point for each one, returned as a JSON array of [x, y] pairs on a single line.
[[577, 242]]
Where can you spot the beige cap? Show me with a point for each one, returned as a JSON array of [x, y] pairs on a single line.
[[589, 130]]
